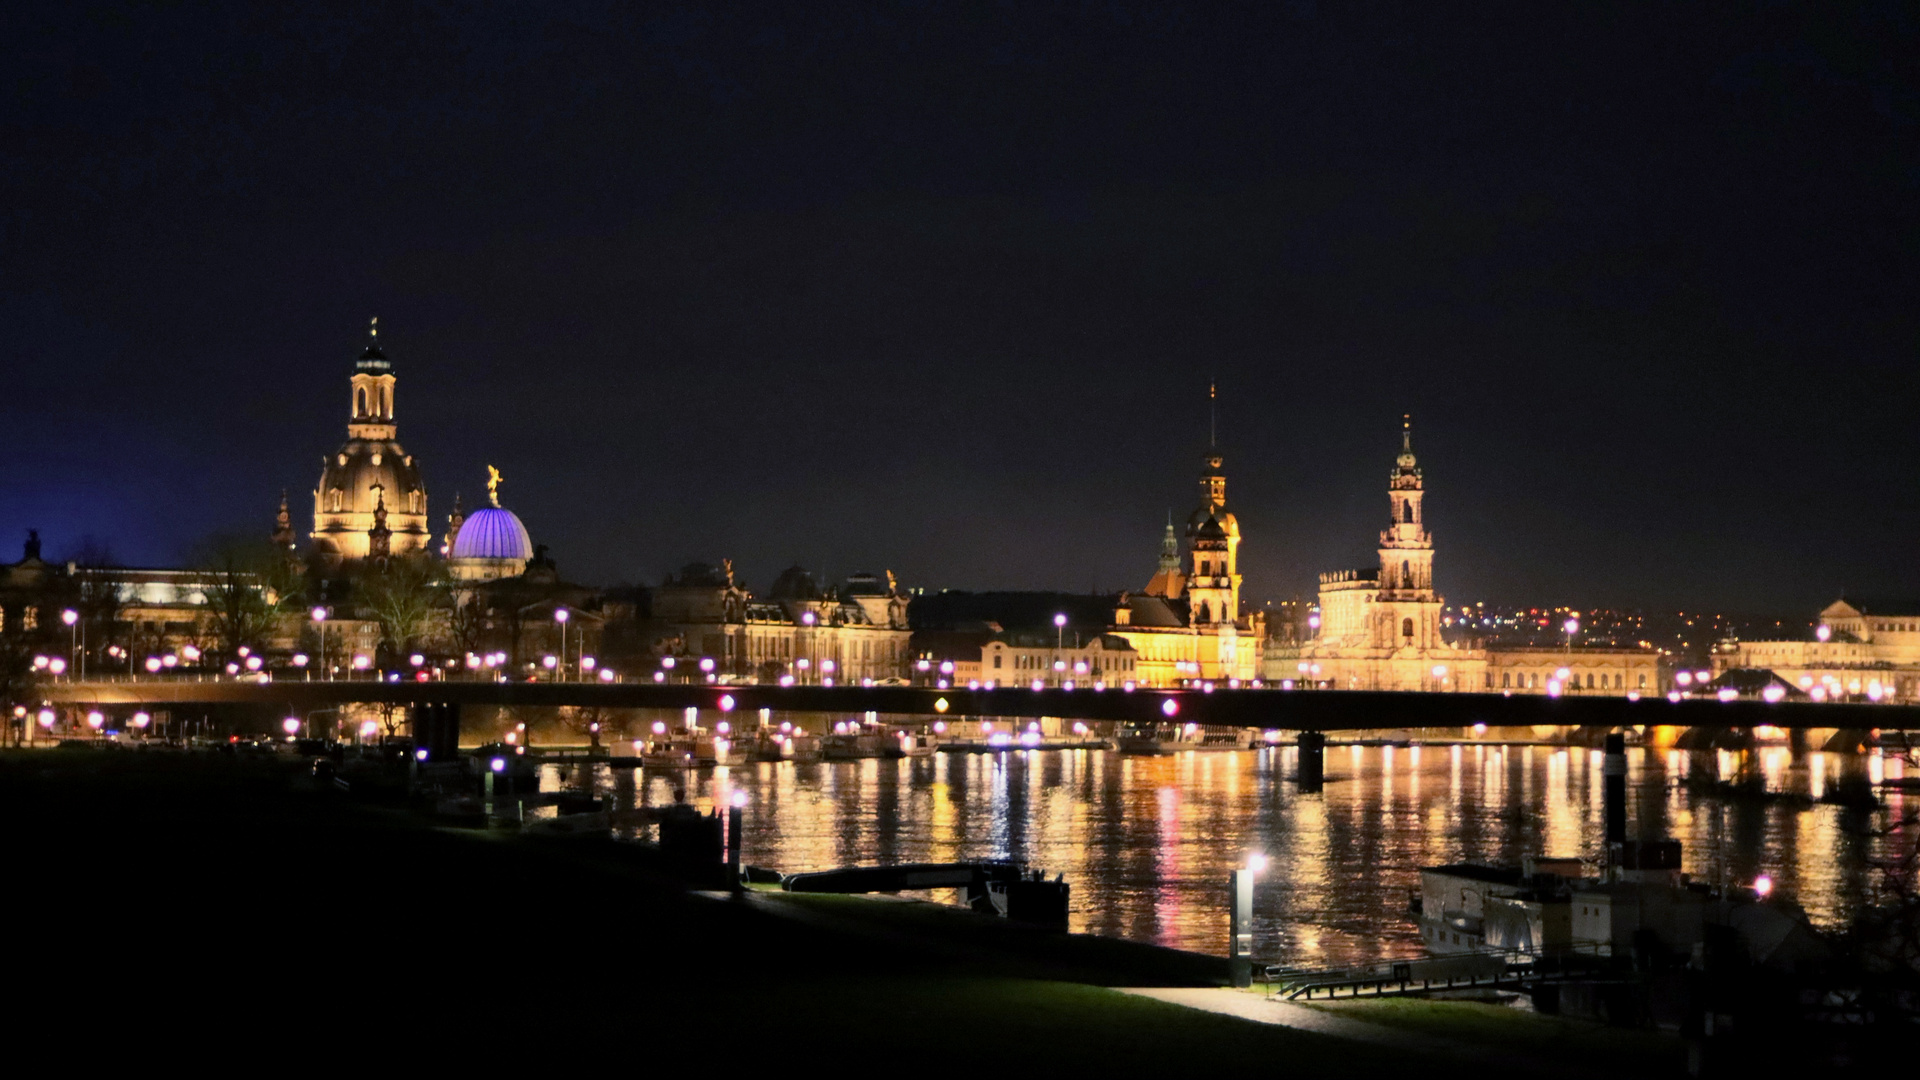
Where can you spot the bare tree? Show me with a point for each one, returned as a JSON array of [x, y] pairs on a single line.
[[244, 584], [402, 595]]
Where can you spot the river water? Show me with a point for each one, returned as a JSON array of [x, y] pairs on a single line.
[[1147, 843]]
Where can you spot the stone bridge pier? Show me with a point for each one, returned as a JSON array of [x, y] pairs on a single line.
[[436, 729]]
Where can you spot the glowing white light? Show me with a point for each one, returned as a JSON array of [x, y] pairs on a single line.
[[1170, 707], [290, 725], [726, 703], [1257, 862], [706, 663], [659, 727], [739, 797], [1683, 678], [498, 764], [153, 663], [318, 614], [560, 615], [1763, 885], [96, 720], [46, 718], [141, 720]]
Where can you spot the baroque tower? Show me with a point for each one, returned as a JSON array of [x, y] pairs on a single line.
[[1406, 596], [350, 504], [1213, 579]]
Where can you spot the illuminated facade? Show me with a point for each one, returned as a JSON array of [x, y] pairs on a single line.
[[1861, 649], [370, 501], [848, 634], [1187, 624], [1380, 629]]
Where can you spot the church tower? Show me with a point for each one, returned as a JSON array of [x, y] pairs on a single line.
[[1409, 610], [1213, 579], [350, 503]]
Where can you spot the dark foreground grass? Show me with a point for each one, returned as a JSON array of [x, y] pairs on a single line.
[[167, 904], [1550, 1038]]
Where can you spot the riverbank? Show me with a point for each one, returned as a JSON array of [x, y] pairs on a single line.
[[214, 897]]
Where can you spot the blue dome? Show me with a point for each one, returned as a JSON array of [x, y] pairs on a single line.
[[492, 533]]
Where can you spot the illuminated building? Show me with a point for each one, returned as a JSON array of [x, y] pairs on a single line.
[[1860, 650], [1380, 629], [370, 500], [1187, 625], [848, 634]]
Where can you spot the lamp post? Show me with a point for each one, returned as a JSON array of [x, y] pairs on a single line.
[[319, 615], [1240, 920], [1572, 627], [74, 663], [560, 616]]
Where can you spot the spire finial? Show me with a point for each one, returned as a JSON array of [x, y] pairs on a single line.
[[493, 485], [373, 330], [1406, 431], [1213, 414]]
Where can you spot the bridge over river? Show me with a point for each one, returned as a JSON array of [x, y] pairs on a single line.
[[1269, 709]]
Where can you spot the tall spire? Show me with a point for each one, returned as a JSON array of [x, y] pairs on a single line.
[[1169, 548], [1406, 464], [283, 524]]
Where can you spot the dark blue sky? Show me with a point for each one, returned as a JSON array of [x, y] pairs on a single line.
[[939, 287]]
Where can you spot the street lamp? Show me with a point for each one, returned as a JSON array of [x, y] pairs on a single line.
[[74, 657], [319, 615], [560, 615]]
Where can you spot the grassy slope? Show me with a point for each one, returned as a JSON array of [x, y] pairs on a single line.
[[218, 896]]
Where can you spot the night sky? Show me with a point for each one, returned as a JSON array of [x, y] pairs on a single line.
[[940, 287]]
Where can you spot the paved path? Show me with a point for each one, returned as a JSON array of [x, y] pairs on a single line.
[[1254, 1007]]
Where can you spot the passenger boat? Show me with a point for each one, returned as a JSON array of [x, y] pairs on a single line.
[[1158, 739], [859, 746], [919, 744], [690, 748]]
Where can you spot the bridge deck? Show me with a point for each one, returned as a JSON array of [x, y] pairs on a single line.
[[1292, 710]]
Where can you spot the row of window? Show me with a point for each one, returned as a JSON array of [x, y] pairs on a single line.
[[1034, 662], [1519, 680]]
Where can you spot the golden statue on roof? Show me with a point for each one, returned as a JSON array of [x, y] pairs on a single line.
[[493, 485]]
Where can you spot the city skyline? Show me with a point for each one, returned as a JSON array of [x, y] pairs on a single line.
[[945, 299]]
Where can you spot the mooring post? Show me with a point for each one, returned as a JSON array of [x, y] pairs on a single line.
[[1313, 760]]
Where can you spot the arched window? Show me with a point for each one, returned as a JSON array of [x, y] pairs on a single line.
[[1406, 509], [333, 501], [1506, 678], [1406, 626], [386, 402], [1406, 575], [360, 402], [1206, 614]]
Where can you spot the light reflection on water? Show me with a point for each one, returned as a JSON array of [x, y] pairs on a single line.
[[1147, 842]]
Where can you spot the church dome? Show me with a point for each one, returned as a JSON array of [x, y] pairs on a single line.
[[493, 532]]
